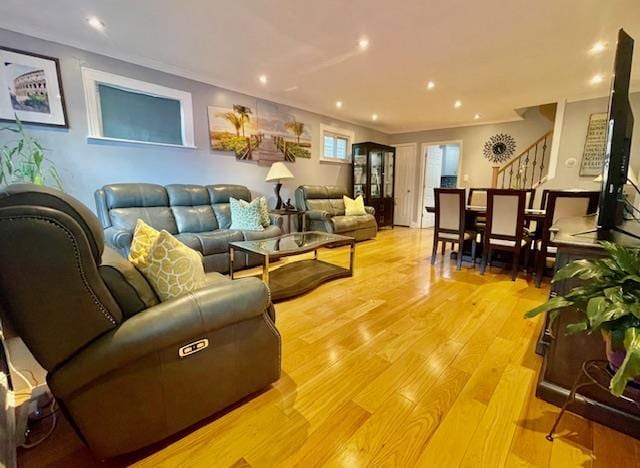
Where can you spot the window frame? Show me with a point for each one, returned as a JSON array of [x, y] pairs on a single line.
[[336, 132], [92, 78]]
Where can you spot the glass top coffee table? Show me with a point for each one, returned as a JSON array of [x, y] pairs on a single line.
[[301, 276]]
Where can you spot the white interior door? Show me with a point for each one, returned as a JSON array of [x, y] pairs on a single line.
[[405, 184], [432, 174], [440, 169]]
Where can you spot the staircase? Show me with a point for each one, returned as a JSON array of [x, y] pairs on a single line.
[[528, 169]]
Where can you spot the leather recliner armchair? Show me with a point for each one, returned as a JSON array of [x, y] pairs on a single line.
[[115, 356], [324, 210]]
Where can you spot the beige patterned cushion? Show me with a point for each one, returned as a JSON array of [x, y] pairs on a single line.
[[144, 236], [354, 207], [172, 268]]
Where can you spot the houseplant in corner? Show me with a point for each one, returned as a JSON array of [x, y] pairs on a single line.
[[22, 160], [608, 302]]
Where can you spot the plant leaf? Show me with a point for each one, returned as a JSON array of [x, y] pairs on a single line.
[[574, 328], [554, 303], [584, 269], [625, 258], [595, 310], [630, 368]]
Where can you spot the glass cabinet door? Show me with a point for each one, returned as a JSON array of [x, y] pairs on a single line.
[[375, 178], [359, 172], [388, 174]]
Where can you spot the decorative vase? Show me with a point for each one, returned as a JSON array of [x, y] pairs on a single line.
[[616, 356]]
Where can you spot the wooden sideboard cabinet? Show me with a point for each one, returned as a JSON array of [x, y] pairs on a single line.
[[563, 355]]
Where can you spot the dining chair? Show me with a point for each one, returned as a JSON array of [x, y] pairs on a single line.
[[450, 223], [560, 204], [478, 197], [505, 227]]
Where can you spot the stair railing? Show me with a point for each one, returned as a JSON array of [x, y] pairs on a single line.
[[527, 170]]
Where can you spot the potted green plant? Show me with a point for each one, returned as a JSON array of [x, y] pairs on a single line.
[[609, 302], [22, 160]]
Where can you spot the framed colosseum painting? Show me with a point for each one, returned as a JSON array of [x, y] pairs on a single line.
[[31, 89]]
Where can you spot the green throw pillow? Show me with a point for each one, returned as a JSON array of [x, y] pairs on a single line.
[[245, 216]]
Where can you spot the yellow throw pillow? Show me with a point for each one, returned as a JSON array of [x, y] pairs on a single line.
[[354, 207], [172, 268], [144, 236]]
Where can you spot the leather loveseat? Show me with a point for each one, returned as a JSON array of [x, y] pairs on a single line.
[[324, 211], [121, 364], [198, 216]]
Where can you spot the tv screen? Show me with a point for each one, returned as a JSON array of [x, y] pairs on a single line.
[[618, 144]]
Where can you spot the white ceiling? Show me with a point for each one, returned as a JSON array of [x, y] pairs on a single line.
[[494, 55]]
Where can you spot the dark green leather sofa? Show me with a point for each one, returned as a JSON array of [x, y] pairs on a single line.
[[111, 350], [198, 216]]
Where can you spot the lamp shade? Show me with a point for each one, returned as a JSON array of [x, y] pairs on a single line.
[[278, 171]]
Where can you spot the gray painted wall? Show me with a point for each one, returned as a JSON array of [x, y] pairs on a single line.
[[85, 166], [572, 139], [473, 163]]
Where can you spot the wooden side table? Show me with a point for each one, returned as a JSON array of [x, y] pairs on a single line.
[[289, 214]]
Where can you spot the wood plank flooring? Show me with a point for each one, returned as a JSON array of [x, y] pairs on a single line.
[[405, 364]]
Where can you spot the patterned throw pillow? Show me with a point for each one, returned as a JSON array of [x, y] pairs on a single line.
[[265, 220], [172, 268], [245, 216], [354, 207], [263, 210], [144, 236]]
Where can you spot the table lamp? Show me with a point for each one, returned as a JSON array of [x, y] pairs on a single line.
[[277, 173]]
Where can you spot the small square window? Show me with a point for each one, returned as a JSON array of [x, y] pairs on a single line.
[[336, 144]]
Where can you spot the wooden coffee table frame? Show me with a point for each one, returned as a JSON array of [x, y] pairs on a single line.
[[301, 276]]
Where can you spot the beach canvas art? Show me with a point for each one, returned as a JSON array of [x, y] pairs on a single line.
[[266, 132]]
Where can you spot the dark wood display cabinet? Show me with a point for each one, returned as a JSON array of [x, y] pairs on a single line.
[[373, 170]]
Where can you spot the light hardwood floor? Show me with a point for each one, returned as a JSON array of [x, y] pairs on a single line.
[[405, 364]]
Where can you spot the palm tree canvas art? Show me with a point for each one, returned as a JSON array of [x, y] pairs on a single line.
[[268, 133]]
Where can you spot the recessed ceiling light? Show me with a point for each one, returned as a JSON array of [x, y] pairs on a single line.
[[363, 43], [597, 79], [95, 23], [374, 116], [476, 117], [457, 104], [263, 79], [598, 47], [339, 104], [431, 85]]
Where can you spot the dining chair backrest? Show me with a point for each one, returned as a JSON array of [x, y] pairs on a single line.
[[566, 204], [530, 197], [477, 197], [505, 214], [450, 210], [543, 199]]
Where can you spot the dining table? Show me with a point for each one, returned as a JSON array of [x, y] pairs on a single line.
[[474, 211], [530, 214]]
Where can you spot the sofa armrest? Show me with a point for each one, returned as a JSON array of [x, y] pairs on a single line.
[[276, 220], [173, 323], [370, 210], [318, 214], [118, 238]]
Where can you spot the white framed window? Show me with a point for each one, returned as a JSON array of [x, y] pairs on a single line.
[[134, 111], [336, 144]]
